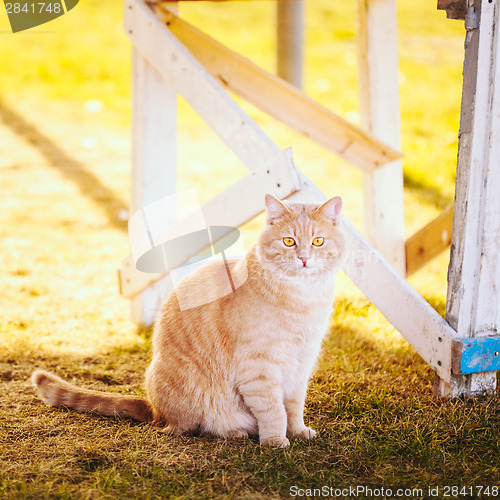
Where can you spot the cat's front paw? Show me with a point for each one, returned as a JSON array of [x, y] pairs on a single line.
[[276, 442], [237, 434], [306, 433]]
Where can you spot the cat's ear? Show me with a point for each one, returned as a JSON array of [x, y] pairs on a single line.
[[331, 209], [276, 210]]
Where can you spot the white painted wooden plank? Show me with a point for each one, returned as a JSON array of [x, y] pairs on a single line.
[[482, 174], [487, 157], [428, 333], [379, 99], [474, 274], [182, 72], [154, 134]]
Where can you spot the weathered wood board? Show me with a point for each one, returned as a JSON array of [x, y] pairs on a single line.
[[476, 355], [380, 115], [429, 241], [280, 99], [455, 9], [474, 274]]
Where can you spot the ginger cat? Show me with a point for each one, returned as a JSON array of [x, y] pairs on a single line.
[[238, 365]]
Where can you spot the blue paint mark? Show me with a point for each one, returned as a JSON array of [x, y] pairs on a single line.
[[480, 355]]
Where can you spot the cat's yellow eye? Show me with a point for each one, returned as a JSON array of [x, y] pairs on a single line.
[[289, 242], [317, 242]]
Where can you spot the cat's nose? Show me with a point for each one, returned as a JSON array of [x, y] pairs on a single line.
[[304, 260]]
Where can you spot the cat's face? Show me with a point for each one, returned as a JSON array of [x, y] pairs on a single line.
[[301, 240]]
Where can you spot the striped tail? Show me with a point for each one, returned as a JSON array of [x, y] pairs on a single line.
[[56, 392]]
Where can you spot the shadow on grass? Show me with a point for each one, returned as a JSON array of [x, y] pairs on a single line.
[[426, 191], [88, 183], [370, 400]]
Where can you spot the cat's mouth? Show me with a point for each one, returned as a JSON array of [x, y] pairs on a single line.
[[290, 269], [308, 269]]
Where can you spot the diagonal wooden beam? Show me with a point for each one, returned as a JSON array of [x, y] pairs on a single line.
[[428, 333], [280, 99], [429, 241]]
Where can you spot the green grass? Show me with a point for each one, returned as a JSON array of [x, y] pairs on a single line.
[[62, 238], [370, 400]]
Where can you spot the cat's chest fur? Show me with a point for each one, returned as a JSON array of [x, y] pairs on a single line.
[[284, 339]]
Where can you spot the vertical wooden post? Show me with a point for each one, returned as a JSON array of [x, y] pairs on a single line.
[[379, 102], [154, 145], [473, 302], [290, 34]]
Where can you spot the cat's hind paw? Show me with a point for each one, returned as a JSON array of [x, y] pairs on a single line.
[[305, 434], [237, 434], [171, 430], [276, 442]]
